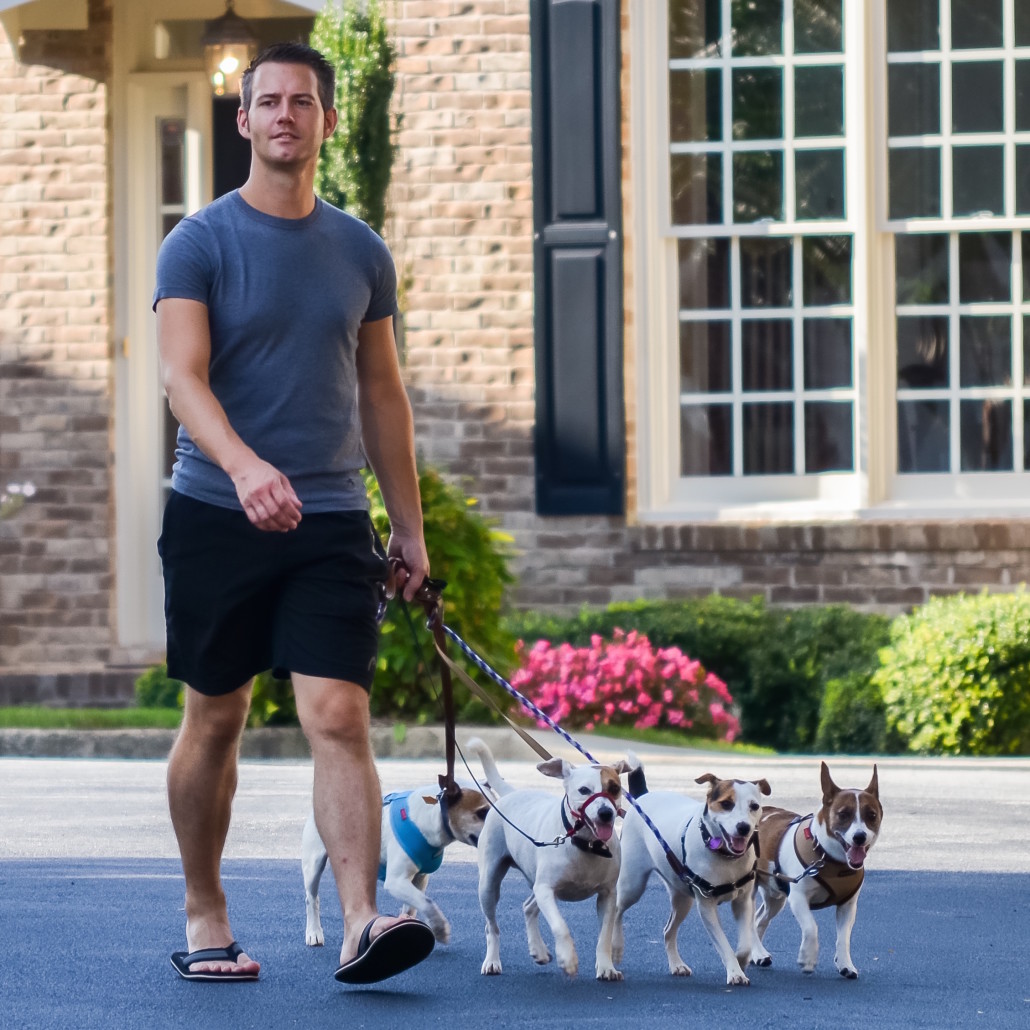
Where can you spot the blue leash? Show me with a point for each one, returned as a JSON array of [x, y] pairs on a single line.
[[678, 867]]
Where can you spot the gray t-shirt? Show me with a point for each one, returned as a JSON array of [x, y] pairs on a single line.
[[285, 299]]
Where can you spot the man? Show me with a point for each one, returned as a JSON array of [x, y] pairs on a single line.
[[274, 321]]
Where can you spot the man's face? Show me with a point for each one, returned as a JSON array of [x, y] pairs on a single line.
[[286, 123]]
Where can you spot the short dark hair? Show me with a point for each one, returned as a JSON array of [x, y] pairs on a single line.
[[294, 53]]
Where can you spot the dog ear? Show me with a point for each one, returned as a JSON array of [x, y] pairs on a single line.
[[707, 778], [763, 786], [830, 789], [553, 767], [622, 766], [874, 786], [483, 812], [429, 800]]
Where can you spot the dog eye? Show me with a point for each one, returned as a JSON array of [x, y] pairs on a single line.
[[585, 791], [754, 806], [727, 805]]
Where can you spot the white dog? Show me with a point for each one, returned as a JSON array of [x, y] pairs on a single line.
[[814, 862], [584, 863], [713, 844], [417, 826]]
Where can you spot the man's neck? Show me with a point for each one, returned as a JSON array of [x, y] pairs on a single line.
[[280, 195]]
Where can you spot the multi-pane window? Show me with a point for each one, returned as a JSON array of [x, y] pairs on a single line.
[[757, 176], [958, 126]]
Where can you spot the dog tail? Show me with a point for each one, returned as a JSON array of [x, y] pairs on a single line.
[[494, 780], [636, 781]]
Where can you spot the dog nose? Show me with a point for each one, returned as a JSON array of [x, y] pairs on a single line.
[[605, 815], [859, 838], [743, 829]]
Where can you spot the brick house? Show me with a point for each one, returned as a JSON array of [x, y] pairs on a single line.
[[701, 295]]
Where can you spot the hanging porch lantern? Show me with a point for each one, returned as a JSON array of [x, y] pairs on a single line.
[[229, 46]]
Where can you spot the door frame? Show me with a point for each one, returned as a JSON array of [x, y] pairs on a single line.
[[138, 412]]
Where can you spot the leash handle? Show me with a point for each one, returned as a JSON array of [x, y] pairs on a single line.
[[429, 596]]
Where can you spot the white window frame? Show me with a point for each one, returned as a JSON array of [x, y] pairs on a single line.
[[874, 489]]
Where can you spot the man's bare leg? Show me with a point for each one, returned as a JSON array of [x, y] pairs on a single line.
[[347, 798], [202, 775]]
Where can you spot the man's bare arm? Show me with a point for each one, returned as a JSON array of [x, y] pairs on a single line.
[[388, 435], [184, 346]]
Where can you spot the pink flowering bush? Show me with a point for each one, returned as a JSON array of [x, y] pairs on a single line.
[[626, 681]]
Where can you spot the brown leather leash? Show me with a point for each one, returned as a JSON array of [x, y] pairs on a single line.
[[430, 596]]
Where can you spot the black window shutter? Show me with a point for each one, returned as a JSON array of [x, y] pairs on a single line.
[[577, 253]]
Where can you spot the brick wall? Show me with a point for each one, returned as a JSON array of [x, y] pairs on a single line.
[[462, 235], [55, 353]]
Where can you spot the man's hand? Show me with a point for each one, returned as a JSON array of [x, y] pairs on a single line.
[[409, 565], [267, 497]]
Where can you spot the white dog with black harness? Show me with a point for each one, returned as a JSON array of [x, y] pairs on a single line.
[[715, 844], [567, 850]]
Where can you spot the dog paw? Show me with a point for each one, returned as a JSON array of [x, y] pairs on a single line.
[[314, 938], [442, 932], [737, 980], [681, 970], [570, 966], [540, 957], [848, 972], [490, 968], [765, 962], [609, 974]]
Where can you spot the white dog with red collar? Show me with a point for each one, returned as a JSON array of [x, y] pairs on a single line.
[[813, 862], [578, 859], [714, 846]]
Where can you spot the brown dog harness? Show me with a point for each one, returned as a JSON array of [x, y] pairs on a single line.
[[837, 879]]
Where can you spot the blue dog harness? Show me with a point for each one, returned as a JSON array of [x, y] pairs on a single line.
[[427, 858]]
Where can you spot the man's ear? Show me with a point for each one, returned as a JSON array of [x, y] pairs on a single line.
[[329, 126], [243, 122]]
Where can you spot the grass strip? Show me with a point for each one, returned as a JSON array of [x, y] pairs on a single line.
[[41, 717]]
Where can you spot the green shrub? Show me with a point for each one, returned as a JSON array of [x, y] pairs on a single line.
[[775, 661], [154, 689], [472, 556], [272, 702], [853, 717], [956, 676], [356, 162]]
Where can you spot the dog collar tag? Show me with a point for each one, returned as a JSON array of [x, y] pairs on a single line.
[[714, 843]]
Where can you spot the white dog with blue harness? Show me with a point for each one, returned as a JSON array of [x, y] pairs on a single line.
[[417, 827]]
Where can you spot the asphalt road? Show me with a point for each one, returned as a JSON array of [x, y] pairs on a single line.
[[91, 899]]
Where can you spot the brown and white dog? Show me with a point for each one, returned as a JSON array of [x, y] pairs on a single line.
[[417, 825], [584, 864], [715, 844], [817, 861]]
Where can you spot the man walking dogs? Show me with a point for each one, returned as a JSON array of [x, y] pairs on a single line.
[[274, 324]]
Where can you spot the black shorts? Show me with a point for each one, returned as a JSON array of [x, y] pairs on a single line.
[[240, 600]]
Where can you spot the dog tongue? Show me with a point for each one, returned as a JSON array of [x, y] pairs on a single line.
[[856, 856], [738, 845], [603, 832]]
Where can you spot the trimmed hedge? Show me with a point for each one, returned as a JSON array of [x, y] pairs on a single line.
[[956, 676], [776, 662]]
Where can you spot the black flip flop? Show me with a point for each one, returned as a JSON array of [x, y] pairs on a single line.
[[183, 961], [400, 947]]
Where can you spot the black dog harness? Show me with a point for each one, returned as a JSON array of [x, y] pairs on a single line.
[[716, 846]]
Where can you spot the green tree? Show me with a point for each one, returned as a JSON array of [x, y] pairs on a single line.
[[356, 162]]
